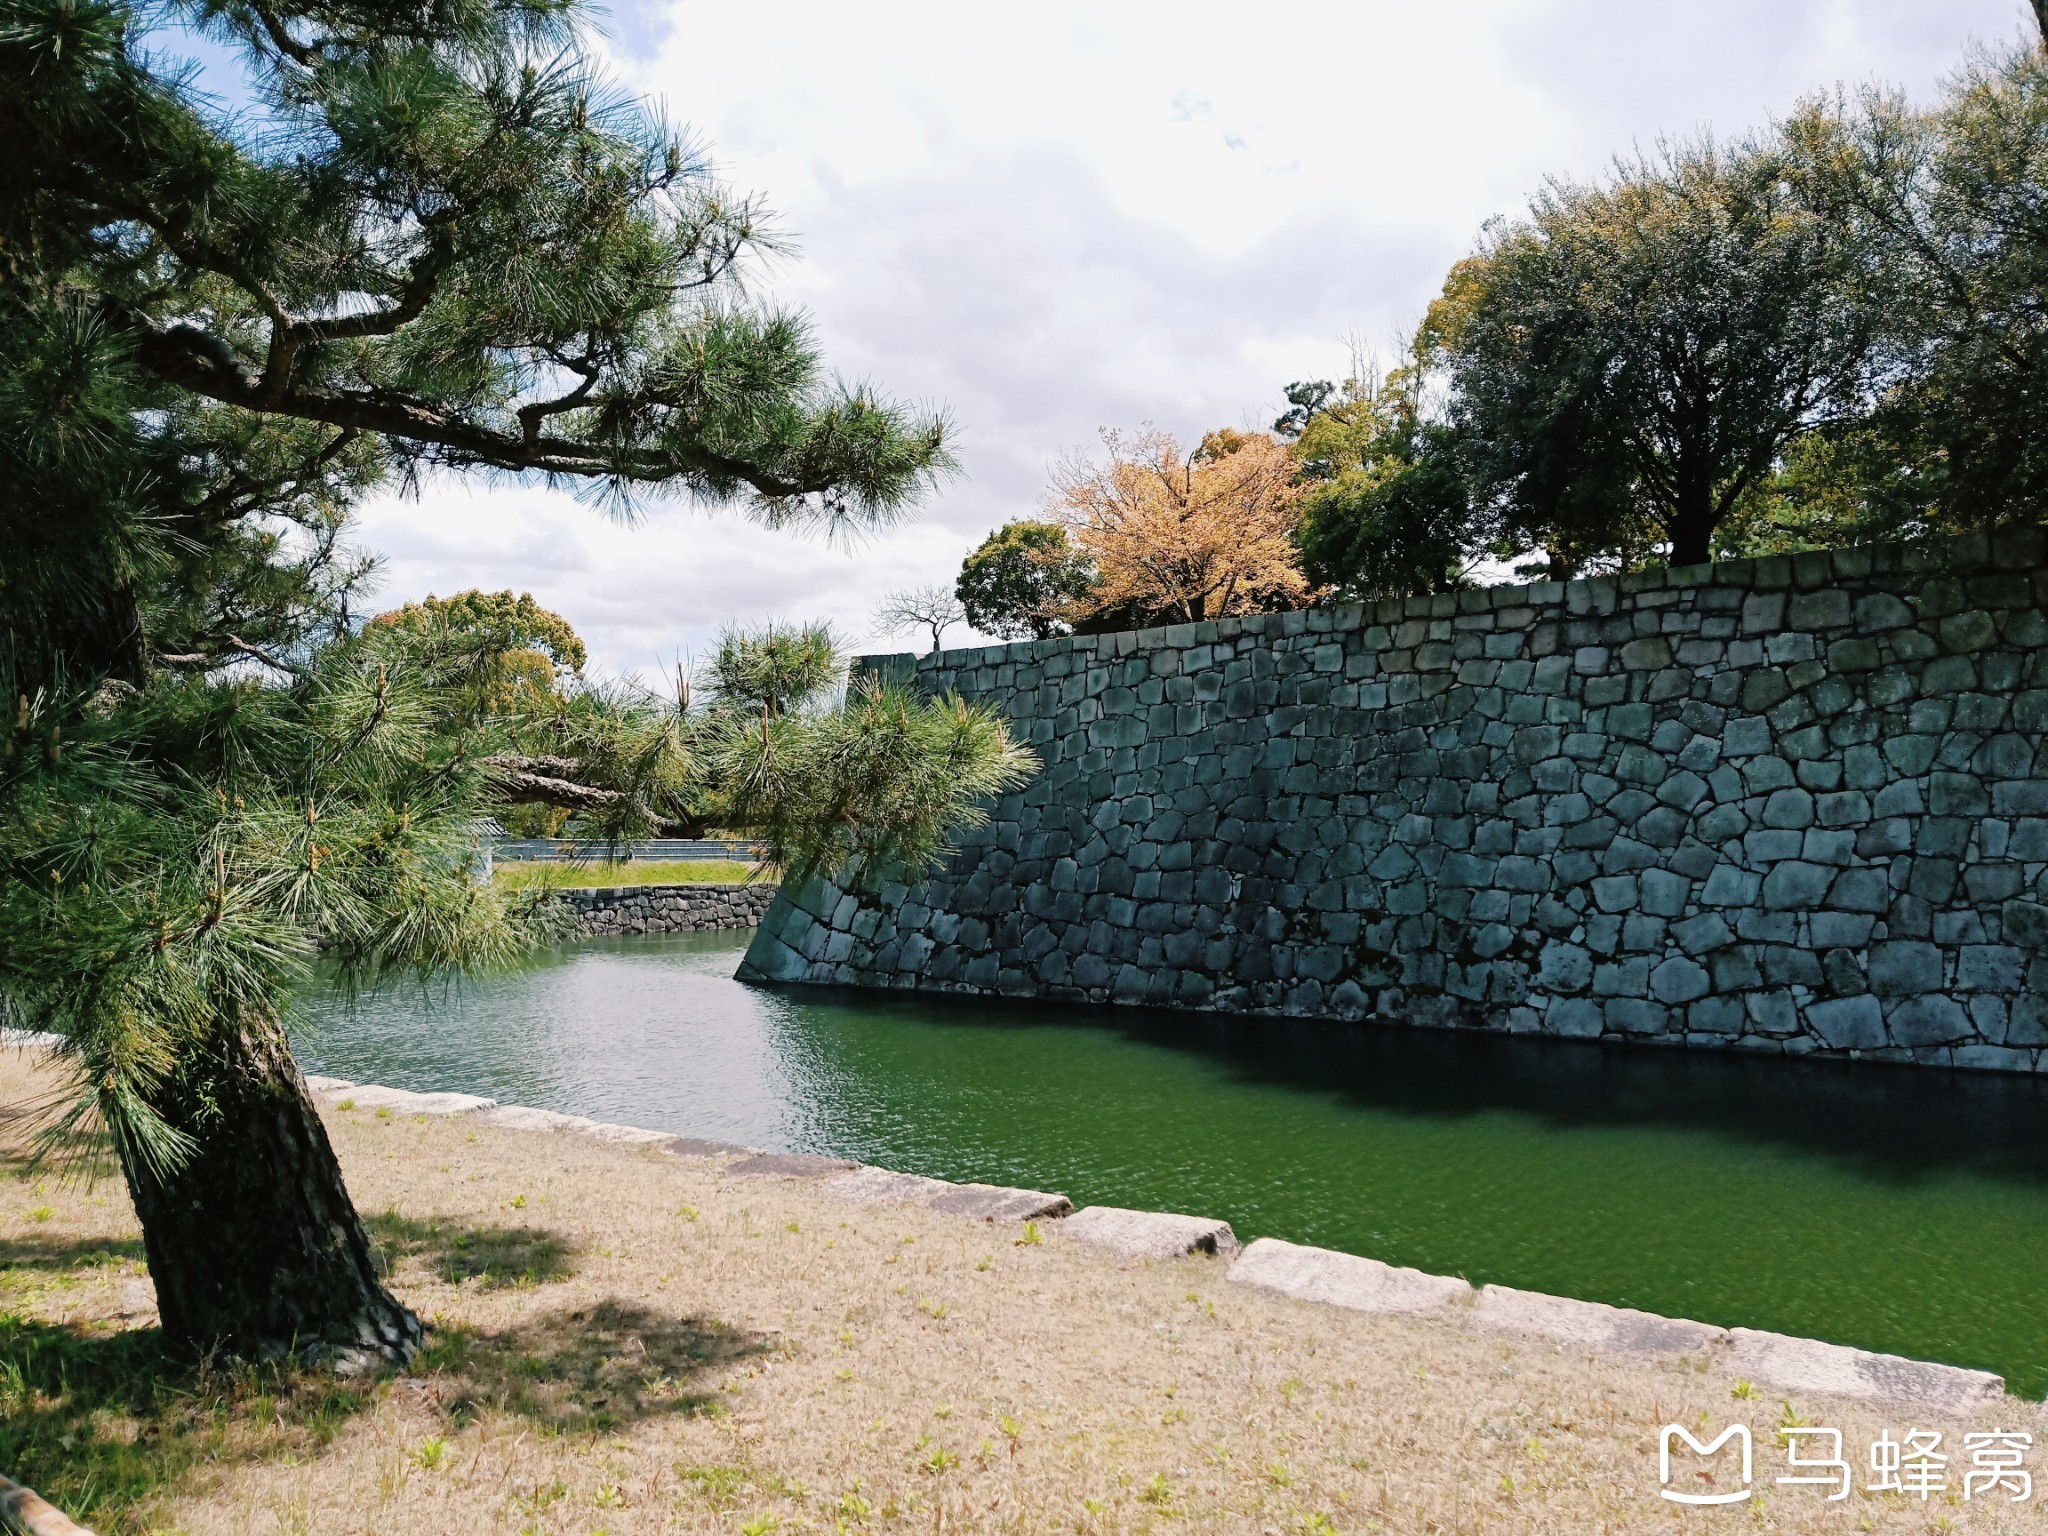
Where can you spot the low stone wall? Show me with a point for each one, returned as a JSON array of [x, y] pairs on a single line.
[[1795, 805], [671, 908]]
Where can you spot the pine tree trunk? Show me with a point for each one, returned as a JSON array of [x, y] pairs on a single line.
[[253, 1243]]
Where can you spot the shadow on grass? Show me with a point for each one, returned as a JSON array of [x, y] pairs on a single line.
[[18, 1251], [591, 1367], [493, 1257], [100, 1423], [104, 1423]]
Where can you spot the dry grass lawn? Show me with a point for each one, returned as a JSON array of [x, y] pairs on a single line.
[[625, 1342]]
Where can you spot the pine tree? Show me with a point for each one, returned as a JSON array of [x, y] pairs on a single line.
[[436, 240]]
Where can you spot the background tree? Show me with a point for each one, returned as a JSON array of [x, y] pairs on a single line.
[[1385, 510], [512, 652], [1953, 202], [936, 609], [1634, 358], [503, 656], [439, 241], [868, 783], [1180, 537], [1022, 579]]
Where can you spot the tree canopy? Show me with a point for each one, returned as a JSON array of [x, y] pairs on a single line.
[[1025, 581], [435, 241], [1636, 356], [1176, 536], [1828, 331], [1950, 204], [441, 240], [1385, 509]]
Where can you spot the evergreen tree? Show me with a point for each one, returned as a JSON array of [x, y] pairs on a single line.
[[1636, 357], [1385, 510], [436, 241], [1952, 205], [1025, 581]]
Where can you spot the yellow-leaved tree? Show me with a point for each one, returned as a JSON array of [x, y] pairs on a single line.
[[1180, 537]]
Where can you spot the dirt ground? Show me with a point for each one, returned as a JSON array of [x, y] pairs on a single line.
[[627, 1342]]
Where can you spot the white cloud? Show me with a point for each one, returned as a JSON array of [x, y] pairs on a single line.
[[1069, 216]]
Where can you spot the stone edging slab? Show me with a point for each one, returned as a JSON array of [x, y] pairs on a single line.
[[1322, 1275], [1801, 1365]]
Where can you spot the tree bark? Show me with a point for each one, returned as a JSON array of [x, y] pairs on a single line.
[[254, 1245], [1692, 524]]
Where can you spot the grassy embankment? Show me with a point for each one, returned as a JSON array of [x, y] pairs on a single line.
[[523, 875], [624, 1342]]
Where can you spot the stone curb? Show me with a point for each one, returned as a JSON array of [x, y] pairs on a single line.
[[1288, 1269], [998, 1202], [401, 1102], [1591, 1325], [1809, 1365], [23, 1509], [789, 1165], [1343, 1279], [1790, 1364], [845, 1179], [1148, 1234]]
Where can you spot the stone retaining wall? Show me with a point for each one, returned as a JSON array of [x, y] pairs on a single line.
[[670, 908], [1797, 804]]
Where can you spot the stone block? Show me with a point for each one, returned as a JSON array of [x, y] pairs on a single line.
[[1795, 885], [789, 1165], [1664, 893], [994, 1202], [1880, 612], [1148, 1234], [1927, 1019], [697, 1146], [1590, 1326], [1848, 1023], [1904, 967], [1576, 1018], [1838, 930], [1808, 1365], [374, 1096], [1703, 933], [882, 1186], [1679, 980], [1636, 1016], [1788, 809], [1343, 1279], [2025, 923], [1990, 967]]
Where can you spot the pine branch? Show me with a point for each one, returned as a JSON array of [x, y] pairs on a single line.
[[206, 365], [269, 659]]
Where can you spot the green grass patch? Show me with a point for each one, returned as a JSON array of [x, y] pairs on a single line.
[[526, 875], [102, 1424]]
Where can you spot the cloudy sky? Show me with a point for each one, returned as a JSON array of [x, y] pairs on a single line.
[[1065, 216]]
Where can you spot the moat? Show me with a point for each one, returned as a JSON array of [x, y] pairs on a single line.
[[1896, 1209]]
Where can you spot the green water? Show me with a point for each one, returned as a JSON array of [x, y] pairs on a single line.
[[1890, 1208]]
